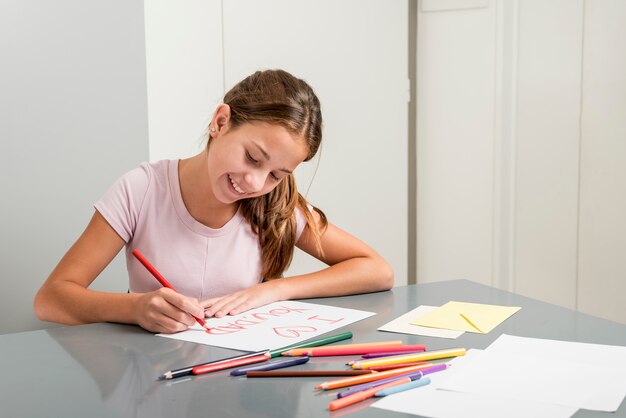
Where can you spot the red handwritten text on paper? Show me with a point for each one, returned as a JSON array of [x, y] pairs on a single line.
[[293, 332], [300, 317]]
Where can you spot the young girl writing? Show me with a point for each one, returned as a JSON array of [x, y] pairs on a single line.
[[220, 226]]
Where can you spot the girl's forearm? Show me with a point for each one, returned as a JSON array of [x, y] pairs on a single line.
[[356, 275], [69, 303]]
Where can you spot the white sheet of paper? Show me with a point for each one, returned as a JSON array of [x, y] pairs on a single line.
[[587, 376], [272, 326], [402, 325], [434, 403], [430, 401]]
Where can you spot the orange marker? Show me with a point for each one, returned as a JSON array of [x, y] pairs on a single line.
[[356, 380], [364, 394]]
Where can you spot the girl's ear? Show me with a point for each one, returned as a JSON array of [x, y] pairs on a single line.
[[221, 118]]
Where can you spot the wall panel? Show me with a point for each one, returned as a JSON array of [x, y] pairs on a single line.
[[455, 144], [602, 248], [547, 149]]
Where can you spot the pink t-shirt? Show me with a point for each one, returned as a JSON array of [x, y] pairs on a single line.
[[146, 209]]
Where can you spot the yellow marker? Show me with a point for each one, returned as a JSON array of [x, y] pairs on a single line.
[[407, 358]]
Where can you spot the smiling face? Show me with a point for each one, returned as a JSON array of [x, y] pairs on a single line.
[[251, 160]]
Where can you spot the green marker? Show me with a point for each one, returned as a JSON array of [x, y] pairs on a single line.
[[313, 343]]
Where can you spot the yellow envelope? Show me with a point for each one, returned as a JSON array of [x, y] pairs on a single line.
[[463, 316]]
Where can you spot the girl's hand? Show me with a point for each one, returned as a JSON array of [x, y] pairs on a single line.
[[166, 311], [241, 301]]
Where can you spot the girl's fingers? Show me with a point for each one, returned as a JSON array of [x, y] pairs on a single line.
[[183, 303], [167, 311], [217, 306], [168, 325], [240, 301]]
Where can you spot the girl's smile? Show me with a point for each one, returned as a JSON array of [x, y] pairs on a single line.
[[250, 160], [236, 189]]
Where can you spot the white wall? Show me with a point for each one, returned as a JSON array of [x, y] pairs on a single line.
[[455, 143], [73, 118], [184, 68], [520, 153], [353, 53]]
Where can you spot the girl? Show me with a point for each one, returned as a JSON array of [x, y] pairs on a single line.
[[220, 226]]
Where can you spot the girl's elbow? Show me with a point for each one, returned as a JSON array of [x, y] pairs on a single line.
[[385, 276], [42, 307], [38, 306]]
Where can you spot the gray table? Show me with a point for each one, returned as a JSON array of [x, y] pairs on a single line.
[[109, 370]]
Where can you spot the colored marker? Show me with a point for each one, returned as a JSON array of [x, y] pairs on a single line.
[[306, 351], [143, 260], [428, 355], [364, 394], [395, 366], [313, 343], [185, 371], [389, 353], [401, 388], [269, 366], [308, 373], [412, 375], [209, 368], [347, 351], [364, 386], [355, 380]]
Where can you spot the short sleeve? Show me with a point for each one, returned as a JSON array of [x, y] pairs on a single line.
[[122, 203], [301, 220]]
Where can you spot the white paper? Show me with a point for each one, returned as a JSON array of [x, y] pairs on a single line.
[[403, 325], [587, 376], [434, 403], [431, 401], [272, 326]]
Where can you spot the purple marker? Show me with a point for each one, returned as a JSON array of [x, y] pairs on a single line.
[[414, 376]]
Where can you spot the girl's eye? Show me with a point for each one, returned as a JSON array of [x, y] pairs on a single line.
[[252, 160], [273, 176]]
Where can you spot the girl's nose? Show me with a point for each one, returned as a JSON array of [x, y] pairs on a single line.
[[255, 181]]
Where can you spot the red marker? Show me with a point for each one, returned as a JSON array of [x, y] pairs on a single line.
[[208, 368], [161, 279]]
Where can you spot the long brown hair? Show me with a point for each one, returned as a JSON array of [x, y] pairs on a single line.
[[277, 97]]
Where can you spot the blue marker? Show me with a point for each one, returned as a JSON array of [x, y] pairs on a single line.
[[269, 366], [401, 388]]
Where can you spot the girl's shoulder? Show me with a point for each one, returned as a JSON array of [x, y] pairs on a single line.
[[127, 198], [146, 175]]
